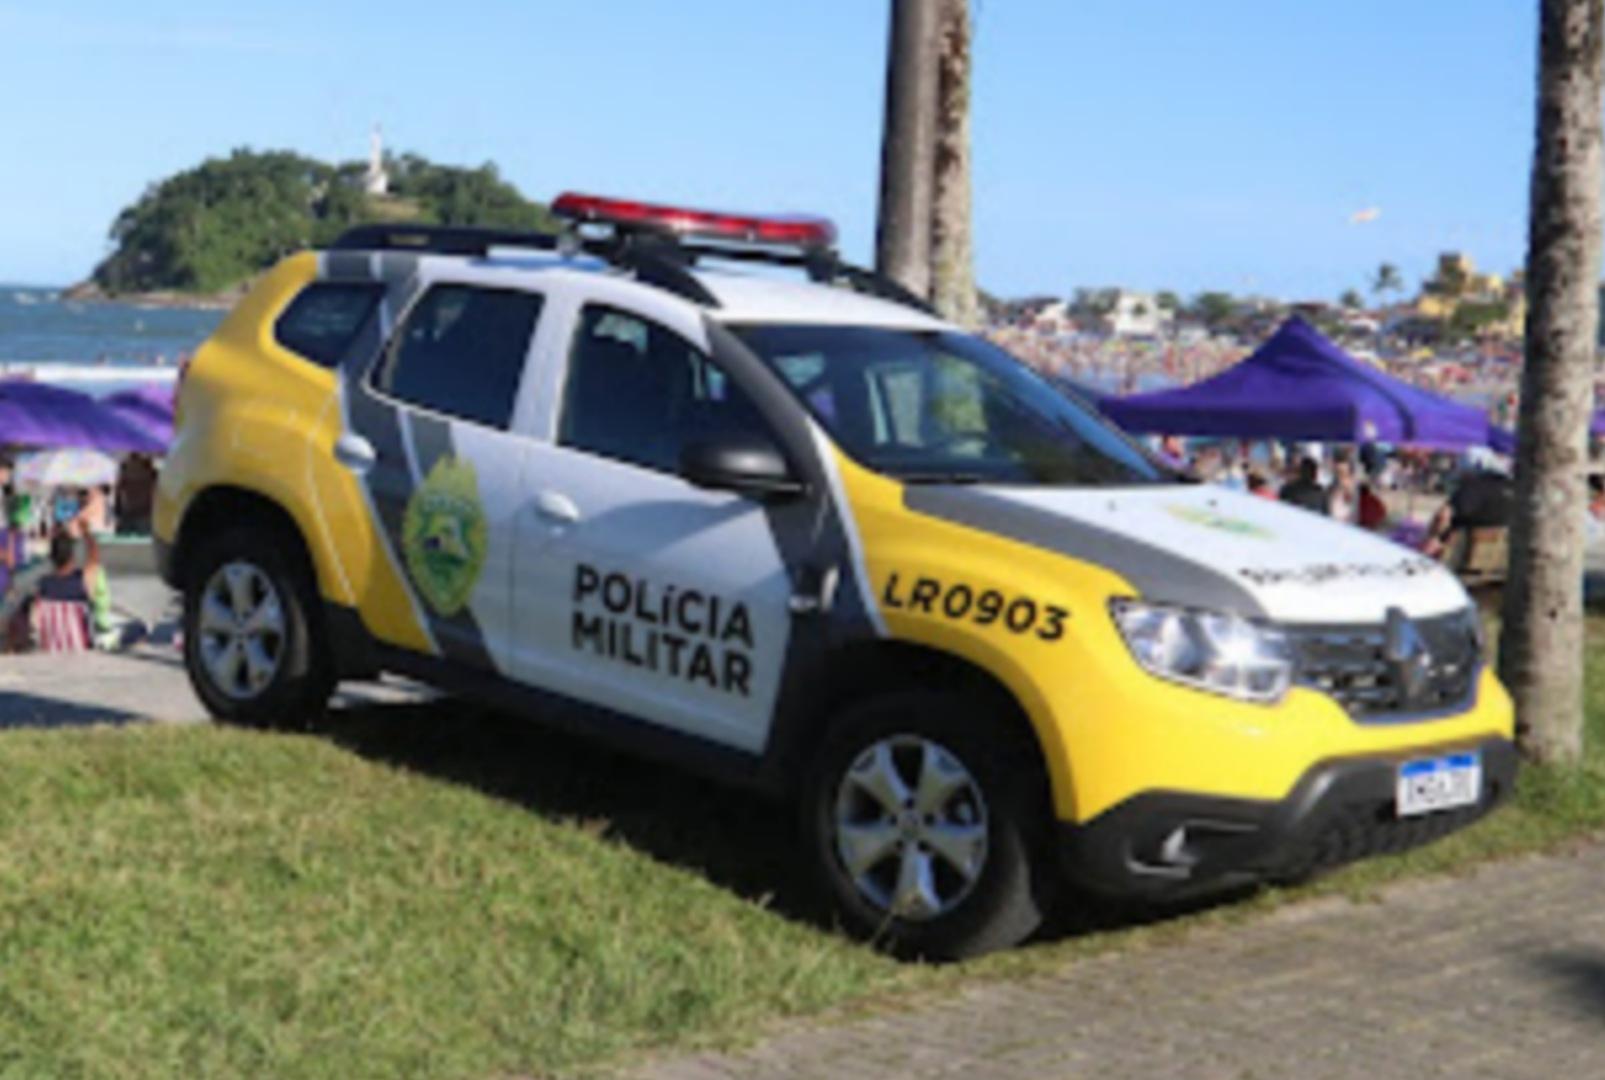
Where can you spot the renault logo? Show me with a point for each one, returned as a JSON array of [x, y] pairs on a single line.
[[1406, 653]]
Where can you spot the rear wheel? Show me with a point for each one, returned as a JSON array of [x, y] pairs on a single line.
[[929, 826], [253, 644]]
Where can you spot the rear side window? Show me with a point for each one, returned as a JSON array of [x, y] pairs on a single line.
[[461, 352], [322, 322]]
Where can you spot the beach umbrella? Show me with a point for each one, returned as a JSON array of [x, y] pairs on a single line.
[[149, 408], [43, 417], [65, 468]]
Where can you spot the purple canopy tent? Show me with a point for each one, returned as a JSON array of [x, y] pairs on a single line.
[[149, 408], [38, 416], [1502, 440], [1298, 385]]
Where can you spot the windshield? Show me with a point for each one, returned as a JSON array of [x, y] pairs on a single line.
[[935, 407]]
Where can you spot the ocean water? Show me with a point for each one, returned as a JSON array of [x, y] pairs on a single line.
[[36, 325]]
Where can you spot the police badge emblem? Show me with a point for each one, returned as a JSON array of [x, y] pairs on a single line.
[[444, 536]]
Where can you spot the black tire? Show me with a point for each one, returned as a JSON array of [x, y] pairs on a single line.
[[303, 681], [1016, 884]]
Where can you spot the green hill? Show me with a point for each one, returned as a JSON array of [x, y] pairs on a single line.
[[211, 228]]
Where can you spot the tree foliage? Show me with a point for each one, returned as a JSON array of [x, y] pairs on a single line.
[[1387, 280], [1093, 303], [1213, 309], [214, 226], [1472, 317]]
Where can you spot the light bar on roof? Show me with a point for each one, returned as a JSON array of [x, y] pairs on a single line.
[[811, 233]]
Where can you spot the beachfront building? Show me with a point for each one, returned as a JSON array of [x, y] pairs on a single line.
[[1136, 314], [1457, 284], [1053, 317]]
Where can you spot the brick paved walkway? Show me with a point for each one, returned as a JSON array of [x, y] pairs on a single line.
[[1498, 974]]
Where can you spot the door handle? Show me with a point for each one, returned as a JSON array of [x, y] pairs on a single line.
[[556, 508], [355, 453]]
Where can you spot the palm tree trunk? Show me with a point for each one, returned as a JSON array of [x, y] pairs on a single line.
[[903, 231], [1541, 646], [952, 243]]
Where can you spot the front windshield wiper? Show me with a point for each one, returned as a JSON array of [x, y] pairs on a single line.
[[934, 477]]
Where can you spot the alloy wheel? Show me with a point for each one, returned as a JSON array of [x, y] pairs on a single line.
[[242, 630], [911, 827]]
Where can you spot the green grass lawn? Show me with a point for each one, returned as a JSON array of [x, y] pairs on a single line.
[[436, 891], [200, 902]]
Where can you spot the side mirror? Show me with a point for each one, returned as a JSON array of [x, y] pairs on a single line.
[[745, 464]]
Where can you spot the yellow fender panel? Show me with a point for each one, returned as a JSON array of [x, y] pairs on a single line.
[[253, 415]]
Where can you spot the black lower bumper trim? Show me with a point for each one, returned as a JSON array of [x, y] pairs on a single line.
[[1170, 845]]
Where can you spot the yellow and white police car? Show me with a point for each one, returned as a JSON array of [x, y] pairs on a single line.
[[689, 482]]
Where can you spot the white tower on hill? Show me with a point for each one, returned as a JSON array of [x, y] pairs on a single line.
[[377, 180]]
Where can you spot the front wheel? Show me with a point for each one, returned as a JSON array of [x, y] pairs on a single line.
[[928, 821], [252, 639]]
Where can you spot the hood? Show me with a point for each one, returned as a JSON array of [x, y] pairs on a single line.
[[1204, 546]]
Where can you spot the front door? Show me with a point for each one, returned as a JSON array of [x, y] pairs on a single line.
[[635, 590]]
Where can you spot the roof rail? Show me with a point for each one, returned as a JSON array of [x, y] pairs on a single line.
[[439, 239], [658, 260], [822, 268], [655, 257]]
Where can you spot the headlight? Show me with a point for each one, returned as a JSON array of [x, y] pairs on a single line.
[[1226, 654]]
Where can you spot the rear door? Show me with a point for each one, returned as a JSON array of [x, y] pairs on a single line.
[[432, 432]]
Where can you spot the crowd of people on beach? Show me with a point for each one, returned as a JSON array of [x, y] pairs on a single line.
[[55, 594], [1127, 365]]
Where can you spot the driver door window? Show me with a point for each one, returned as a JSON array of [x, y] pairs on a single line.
[[639, 393]]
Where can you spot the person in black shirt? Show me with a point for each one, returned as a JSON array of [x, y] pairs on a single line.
[[1305, 489], [1482, 499]]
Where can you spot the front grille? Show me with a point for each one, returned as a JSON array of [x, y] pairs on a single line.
[[1349, 663]]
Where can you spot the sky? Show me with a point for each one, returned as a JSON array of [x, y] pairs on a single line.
[[1282, 147]]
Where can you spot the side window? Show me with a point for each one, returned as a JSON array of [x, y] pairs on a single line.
[[325, 318], [461, 352], [640, 393]]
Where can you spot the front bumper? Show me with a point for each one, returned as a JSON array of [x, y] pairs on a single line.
[[1339, 811]]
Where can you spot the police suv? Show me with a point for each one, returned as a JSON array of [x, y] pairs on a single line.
[[689, 482]]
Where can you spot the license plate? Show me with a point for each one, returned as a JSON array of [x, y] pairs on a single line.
[[1441, 783]]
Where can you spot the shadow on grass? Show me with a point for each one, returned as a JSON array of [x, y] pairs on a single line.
[[736, 839]]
